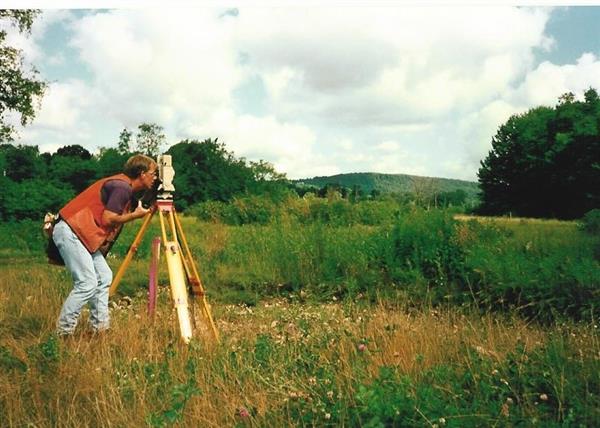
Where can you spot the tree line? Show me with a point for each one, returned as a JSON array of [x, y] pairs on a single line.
[[33, 183], [545, 162]]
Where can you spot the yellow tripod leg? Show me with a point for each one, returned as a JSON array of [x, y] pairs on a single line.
[[179, 289], [179, 292], [197, 287], [132, 250]]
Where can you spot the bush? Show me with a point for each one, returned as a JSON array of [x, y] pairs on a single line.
[[542, 271], [31, 199], [590, 222], [254, 209], [425, 246]]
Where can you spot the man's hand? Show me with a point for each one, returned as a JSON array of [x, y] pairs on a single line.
[[140, 211], [111, 218]]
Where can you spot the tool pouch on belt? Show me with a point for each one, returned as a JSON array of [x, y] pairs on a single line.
[[54, 257]]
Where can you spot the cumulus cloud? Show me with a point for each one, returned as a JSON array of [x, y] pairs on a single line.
[[391, 89]]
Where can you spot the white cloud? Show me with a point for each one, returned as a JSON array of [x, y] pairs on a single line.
[[62, 105], [387, 146], [548, 81], [416, 90]]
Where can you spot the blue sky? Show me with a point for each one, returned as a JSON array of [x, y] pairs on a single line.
[[315, 90]]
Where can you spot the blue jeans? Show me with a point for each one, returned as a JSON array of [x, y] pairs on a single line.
[[91, 280]]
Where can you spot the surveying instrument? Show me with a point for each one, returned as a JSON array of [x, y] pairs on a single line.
[[183, 275]]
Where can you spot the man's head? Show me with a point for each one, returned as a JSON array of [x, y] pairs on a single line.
[[142, 170], [136, 165]]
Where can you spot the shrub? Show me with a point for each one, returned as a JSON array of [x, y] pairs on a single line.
[[542, 271], [590, 222], [425, 243], [262, 209]]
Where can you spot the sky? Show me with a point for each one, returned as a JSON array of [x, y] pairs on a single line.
[[314, 89]]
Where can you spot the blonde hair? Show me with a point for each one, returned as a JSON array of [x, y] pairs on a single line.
[[137, 164]]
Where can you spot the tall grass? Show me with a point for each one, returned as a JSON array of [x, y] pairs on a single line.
[[322, 324], [287, 364], [542, 269]]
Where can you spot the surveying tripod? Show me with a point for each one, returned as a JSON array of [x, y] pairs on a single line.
[[180, 263]]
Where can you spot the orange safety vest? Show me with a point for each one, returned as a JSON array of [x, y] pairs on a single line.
[[84, 215]]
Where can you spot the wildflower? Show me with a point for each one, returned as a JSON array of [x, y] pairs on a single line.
[[330, 394], [243, 412], [362, 347], [442, 421], [327, 415], [543, 397]]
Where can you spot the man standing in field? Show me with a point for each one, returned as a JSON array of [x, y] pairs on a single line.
[[88, 225]]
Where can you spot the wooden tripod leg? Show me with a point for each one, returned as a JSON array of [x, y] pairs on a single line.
[[197, 287], [177, 281], [130, 253]]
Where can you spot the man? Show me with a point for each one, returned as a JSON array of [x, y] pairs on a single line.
[[88, 225]]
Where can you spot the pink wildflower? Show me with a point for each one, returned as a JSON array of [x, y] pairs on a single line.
[[362, 347], [243, 412]]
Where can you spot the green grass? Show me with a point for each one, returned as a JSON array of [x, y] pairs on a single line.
[[419, 321]]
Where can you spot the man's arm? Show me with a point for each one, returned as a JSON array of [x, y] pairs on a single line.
[[112, 219]]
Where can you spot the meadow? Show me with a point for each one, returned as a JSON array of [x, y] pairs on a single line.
[[330, 314]]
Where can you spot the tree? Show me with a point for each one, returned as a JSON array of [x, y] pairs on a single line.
[[267, 181], [110, 161], [149, 139], [124, 144], [207, 171], [453, 198], [75, 150], [19, 87], [425, 190], [76, 172], [544, 163], [32, 199], [22, 162]]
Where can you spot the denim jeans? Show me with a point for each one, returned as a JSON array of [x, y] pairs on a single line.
[[91, 280]]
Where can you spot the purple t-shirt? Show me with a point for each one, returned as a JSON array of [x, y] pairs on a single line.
[[115, 195]]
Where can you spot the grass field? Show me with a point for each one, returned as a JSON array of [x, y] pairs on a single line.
[[308, 337]]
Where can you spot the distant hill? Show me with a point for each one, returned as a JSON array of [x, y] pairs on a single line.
[[393, 183]]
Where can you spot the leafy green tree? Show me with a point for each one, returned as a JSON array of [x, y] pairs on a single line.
[[453, 198], [19, 87], [74, 171], [75, 150], [110, 161], [207, 171], [149, 139], [267, 181], [31, 199], [22, 162], [544, 163], [124, 144]]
